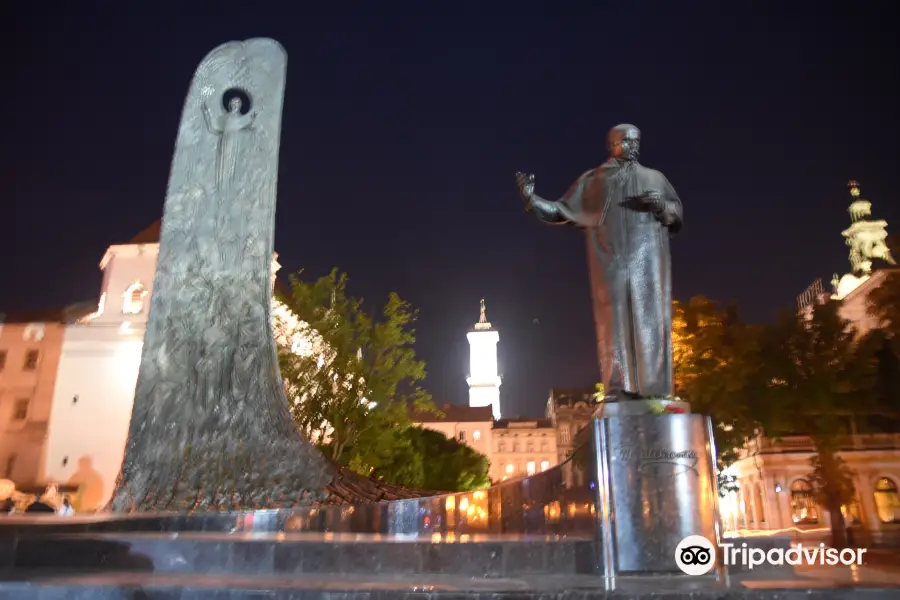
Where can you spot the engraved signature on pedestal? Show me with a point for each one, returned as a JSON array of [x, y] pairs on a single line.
[[646, 456]]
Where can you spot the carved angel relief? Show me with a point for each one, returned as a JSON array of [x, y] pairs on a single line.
[[230, 127]]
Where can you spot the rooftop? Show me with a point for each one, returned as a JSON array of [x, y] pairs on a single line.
[[454, 413], [522, 423], [150, 235], [66, 314]]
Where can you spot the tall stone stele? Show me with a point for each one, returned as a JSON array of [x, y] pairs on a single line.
[[211, 427]]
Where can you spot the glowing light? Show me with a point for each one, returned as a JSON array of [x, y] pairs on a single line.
[[530, 468], [464, 503], [476, 435], [510, 468], [545, 464], [771, 532], [133, 298]]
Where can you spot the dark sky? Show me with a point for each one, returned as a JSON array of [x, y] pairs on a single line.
[[404, 123]]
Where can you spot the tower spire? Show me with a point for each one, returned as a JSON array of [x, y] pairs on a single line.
[[865, 238], [483, 324]]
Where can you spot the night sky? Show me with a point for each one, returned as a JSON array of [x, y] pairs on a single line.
[[404, 123]]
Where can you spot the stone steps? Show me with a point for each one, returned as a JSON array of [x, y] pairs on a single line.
[[328, 586], [295, 555]]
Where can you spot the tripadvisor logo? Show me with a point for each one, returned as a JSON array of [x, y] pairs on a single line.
[[696, 555]]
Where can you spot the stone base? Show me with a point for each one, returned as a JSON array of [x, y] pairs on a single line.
[[329, 586]]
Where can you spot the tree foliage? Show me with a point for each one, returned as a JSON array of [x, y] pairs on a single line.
[[817, 377], [714, 369], [352, 376], [432, 461]]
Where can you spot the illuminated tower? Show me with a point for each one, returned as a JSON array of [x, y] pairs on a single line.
[[867, 241], [483, 380]]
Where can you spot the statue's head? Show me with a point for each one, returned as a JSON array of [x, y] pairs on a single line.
[[234, 105], [624, 142]]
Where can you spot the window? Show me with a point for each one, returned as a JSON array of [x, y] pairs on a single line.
[[31, 360], [20, 411], [564, 434], [887, 500], [803, 506], [529, 447], [758, 501], [2, 359], [501, 447], [476, 435], [545, 464], [461, 436], [510, 468], [134, 298], [543, 446], [530, 468], [10, 465], [515, 447]]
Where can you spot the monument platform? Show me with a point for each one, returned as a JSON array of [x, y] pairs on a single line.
[[106, 585]]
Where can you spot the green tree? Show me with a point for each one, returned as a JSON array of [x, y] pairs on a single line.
[[883, 303], [715, 363], [352, 376], [813, 378], [432, 461]]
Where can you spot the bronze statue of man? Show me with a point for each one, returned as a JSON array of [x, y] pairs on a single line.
[[628, 213]]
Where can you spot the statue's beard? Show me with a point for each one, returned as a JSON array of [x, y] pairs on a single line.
[[627, 152]]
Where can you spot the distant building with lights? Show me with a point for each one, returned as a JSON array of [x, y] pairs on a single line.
[[67, 382], [775, 490]]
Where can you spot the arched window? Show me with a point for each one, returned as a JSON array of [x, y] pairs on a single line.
[[804, 510], [887, 500], [758, 501], [134, 298]]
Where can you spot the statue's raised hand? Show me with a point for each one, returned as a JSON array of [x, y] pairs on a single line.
[[525, 184]]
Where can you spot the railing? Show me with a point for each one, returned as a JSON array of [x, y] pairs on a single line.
[[870, 441]]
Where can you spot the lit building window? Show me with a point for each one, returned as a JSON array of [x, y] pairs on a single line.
[[564, 434], [530, 468], [461, 436], [545, 464], [510, 468], [134, 299], [31, 360], [803, 505], [20, 412], [476, 435], [887, 500]]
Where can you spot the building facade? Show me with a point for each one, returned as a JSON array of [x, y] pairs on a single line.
[[522, 447], [775, 492], [469, 425], [30, 348], [569, 411]]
